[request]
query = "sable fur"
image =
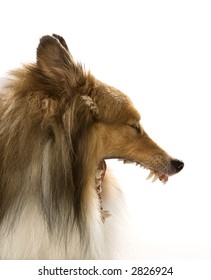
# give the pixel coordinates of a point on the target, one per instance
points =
(57, 122)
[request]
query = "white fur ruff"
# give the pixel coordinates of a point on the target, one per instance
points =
(29, 237)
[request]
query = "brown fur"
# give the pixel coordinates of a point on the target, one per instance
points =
(57, 122)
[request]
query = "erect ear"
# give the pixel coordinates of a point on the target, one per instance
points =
(62, 41)
(56, 63)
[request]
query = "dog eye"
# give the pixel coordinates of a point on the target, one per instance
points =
(136, 127)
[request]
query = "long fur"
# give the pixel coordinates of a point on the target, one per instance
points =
(57, 122)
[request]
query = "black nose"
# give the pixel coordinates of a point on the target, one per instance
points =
(177, 164)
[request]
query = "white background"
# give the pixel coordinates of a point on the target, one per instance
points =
(158, 53)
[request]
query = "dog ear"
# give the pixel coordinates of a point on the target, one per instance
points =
(62, 41)
(56, 63)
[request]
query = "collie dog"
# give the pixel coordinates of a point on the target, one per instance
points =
(58, 125)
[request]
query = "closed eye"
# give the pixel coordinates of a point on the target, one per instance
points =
(136, 127)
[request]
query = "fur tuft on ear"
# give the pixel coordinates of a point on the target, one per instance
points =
(91, 105)
(57, 64)
(82, 112)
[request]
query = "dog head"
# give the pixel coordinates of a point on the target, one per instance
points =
(58, 125)
(103, 115)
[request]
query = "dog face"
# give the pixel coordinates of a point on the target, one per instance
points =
(102, 115)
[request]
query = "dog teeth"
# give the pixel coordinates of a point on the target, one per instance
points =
(150, 175)
(99, 190)
(165, 180)
(155, 178)
(154, 175)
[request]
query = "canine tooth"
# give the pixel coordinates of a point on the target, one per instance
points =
(150, 175)
(165, 180)
(155, 178)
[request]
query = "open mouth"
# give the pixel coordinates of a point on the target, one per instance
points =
(100, 174)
